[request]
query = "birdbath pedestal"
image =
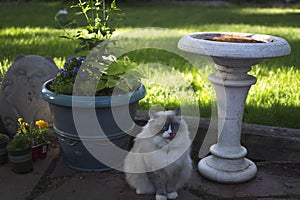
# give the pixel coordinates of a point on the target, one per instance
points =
(233, 55)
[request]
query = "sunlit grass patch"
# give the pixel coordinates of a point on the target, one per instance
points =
(173, 77)
(37, 41)
(277, 86)
(276, 96)
(5, 63)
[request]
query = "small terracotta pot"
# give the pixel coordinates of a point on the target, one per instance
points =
(43, 149)
(35, 152)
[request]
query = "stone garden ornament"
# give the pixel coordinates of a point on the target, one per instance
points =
(20, 91)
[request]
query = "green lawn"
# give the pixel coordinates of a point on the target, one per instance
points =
(29, 28)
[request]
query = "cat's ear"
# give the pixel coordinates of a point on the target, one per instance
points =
(177, 111)
(152, 114)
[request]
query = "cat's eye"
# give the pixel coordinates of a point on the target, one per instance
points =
(165, 128)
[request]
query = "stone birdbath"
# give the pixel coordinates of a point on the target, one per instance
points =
(233, 55)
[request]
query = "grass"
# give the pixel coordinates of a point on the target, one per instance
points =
(174, 78)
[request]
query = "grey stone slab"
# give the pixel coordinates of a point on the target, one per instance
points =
(62, 170)
(15, 186)
(273, 180)
(110, 185)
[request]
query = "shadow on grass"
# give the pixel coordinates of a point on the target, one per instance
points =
(186, 16)
(276, 115)
(41, 14)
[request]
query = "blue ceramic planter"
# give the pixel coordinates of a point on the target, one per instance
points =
(78, 119)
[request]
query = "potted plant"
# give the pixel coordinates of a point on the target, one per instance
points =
(94, 91)
(19, 154)
(42, 138)
(3, 151)
(37, 133)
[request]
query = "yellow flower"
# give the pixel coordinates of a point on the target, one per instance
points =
(41, 124)
(20, 120)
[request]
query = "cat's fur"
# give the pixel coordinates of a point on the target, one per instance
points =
(159, 162)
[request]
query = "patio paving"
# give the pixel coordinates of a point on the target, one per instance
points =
(51, 179)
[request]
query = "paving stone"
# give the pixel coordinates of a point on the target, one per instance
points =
(62, 170)
(15, 186)
(109, 185)
(272, 180)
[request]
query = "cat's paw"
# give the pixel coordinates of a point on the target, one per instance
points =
(139, 191)
(172, 195)
(145, 190)
(160, 197)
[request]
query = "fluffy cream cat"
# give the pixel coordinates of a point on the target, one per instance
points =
(159, 162)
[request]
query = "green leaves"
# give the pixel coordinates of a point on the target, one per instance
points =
(19, 143)
(122, 74)
(65, 78)
(100, 22)
(113, 5)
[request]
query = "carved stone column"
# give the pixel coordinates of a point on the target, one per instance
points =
(227, 162)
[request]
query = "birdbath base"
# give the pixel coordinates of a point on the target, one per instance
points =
(227, 171)
(228, 164)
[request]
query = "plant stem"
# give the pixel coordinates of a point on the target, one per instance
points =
(104, 9)
(84, 13)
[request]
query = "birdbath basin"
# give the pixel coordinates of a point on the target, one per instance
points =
(233, 54)
(235, 49)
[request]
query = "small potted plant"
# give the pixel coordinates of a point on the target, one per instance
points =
(37, 133)
(19, 154)
(3, 150)
(42, 138)
(93, 82)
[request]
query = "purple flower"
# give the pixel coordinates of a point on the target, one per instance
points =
(60, 71)
(53, 79)
(75, 69)
(71, 58)
(66, 65)
(80, 60)
(65, 73)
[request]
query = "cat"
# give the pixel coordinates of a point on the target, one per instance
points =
(159, 162)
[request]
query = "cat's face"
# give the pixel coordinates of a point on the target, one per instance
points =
(165, 124)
